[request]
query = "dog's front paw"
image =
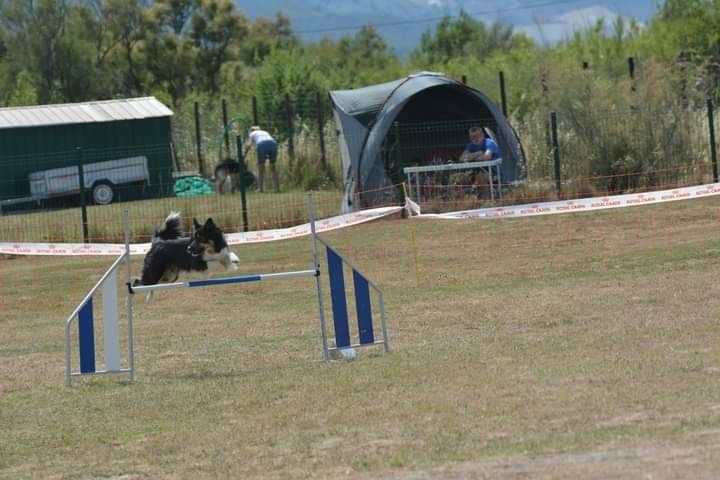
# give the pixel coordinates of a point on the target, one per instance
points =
(234, 261)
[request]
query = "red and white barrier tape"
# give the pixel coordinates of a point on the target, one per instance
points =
(75, 249)
(570, 206)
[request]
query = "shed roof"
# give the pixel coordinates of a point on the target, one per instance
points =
(87, 112)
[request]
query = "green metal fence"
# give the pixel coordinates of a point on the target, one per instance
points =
(587, 153)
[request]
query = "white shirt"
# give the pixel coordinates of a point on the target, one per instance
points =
(259, 136)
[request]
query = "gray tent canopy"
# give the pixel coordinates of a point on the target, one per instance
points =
(435, 109)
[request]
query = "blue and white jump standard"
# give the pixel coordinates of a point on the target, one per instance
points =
(108, 282)
(107, 285)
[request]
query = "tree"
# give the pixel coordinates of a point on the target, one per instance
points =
(217, 29)
(290, 72)
(689, 31)
(264, 36)
(359, 60)
(605, 49)
(462, 37)
(173, 16)
(24, 93)
(35, 30)
(117, 28)
(366, 50)
(167, 50)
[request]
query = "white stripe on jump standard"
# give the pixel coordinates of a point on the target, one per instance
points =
(225, 280)
(111, 330)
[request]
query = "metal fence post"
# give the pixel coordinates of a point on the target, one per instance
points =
(556, 151)
(631, 72)
(254, 110)
(242, 172)
(83, 193)
(198, 140)
(503, 97)
(321, 128)
(713, 146)
(225, 127)
(291, 128)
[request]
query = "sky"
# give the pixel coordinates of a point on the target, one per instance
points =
(401, 22)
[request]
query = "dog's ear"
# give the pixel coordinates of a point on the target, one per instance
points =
(196, 224)
(210, 223)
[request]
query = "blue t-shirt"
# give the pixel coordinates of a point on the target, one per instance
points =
(487, 144)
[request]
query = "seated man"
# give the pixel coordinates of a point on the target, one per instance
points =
(482, 148)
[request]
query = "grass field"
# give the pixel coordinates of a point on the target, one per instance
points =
(568, 346)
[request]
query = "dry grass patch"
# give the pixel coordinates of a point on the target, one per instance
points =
(543, 348)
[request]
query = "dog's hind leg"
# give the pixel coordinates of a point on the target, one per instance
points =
(219, 180)
(223, 181)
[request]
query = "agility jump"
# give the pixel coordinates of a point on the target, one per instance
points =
(108, 287)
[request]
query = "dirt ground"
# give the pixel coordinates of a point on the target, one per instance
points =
(699, 459)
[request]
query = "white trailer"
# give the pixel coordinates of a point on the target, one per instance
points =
(100, 178)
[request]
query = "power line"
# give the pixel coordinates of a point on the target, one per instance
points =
(436, 19)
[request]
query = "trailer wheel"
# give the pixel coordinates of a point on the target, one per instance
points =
(103, 193)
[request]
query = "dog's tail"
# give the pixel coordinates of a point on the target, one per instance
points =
(171, 228)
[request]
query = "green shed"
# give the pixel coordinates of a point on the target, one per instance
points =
(103, 136)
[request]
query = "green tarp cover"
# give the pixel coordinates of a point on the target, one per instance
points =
(192, 187)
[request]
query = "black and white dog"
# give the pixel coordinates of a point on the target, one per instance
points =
(227, 176)
(171, 252)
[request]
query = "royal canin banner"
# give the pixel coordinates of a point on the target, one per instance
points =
(570, 206)
(355, 218)
(75, 249)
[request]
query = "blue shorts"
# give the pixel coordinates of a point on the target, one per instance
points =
(267, 150)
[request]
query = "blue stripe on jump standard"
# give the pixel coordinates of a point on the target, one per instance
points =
(221, 281)
(86, 336)
(362, 306)
(337, 295)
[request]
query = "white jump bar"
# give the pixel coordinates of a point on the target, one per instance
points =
(225, 280)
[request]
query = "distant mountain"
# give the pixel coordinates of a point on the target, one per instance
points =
(401, 22)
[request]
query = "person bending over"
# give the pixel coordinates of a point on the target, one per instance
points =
(266, 149)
